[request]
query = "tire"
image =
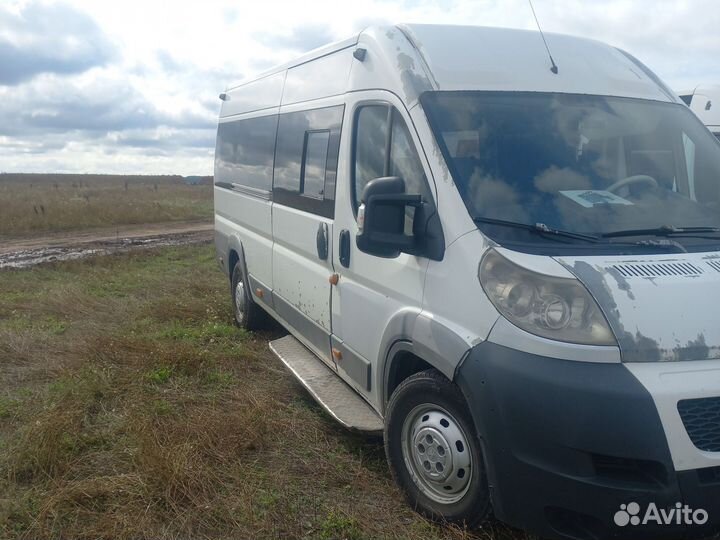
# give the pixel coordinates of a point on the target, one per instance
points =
(247, 314)
(434, 452)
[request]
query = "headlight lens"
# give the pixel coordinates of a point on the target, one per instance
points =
(554, 308)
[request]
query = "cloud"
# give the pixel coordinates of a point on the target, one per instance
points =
(53, 105)
(168, 140)
(100, 106)
(168, 62)
(301, 38)
(102, 87)
(53, 38)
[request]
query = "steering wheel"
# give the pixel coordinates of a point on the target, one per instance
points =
(635, 179)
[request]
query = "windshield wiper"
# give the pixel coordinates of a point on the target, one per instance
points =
(665, 230)
(538, 228)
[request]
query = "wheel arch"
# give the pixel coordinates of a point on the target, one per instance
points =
(402, 362)
(415, 341)
(236, 254)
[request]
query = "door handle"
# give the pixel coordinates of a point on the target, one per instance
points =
(345, 248)
(322, 241)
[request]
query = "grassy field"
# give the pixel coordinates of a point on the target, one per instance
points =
(131, 407)
(35, 204)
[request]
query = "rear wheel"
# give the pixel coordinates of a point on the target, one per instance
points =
(247, 313)
(434, 452)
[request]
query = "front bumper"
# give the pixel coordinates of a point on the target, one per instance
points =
(567, 443)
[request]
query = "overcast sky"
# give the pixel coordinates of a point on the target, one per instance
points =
(132, 86)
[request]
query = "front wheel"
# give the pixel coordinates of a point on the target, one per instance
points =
(434, 452)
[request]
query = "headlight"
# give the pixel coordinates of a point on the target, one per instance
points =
(554, 308)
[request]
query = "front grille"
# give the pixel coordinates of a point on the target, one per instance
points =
(702, 422)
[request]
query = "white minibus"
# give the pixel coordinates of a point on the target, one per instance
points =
(506, 263)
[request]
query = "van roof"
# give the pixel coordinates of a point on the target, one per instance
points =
(314, 54)
(486, 58)
(410, 59)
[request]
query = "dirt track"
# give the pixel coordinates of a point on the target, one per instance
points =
(25, 252)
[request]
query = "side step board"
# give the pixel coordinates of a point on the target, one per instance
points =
(328, 389)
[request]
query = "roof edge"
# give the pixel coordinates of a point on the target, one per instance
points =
(309, 56)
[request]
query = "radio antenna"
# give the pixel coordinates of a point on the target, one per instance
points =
(554, 67)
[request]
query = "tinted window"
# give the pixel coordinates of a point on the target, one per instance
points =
(314, 169)
(244, 152)
(370, 146)
(308, 144)
(288, 157)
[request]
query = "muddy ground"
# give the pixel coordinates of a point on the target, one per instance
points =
(26, 252)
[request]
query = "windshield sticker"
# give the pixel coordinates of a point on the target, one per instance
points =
(592, 197)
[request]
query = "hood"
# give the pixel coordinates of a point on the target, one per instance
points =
(661, 308)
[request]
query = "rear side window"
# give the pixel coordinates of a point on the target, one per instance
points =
(244, 153)
(384, 147)
(306, 159)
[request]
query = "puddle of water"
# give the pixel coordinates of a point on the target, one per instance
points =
(32, 257)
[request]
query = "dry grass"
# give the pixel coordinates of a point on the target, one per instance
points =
(35, 204)
(130, 407)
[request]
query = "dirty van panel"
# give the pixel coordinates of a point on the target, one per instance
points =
(652, 305)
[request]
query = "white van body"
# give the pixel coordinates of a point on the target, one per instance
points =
(567, 429)
(704, 100)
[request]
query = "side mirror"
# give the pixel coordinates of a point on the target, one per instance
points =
(381, 218)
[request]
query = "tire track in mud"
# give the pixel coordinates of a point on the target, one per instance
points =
(27, 252)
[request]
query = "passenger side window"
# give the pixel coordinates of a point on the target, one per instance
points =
(308, 145)
(404, 160)
(244, 152)
(371, 137)
(384, 147)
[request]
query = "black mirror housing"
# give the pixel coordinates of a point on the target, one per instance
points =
(381, 219)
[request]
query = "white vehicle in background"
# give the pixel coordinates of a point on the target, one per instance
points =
(704, 101)
(510, 267)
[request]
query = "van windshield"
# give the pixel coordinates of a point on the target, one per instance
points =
(599, 166)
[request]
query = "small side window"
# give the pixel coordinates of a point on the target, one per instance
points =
(384, 147)
(315, 163)
(689, 147)
(371, 136)
(404, 160)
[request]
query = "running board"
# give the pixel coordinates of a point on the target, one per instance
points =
(326, 387)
